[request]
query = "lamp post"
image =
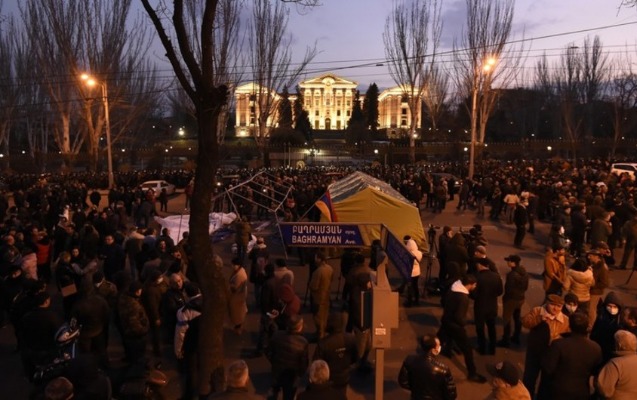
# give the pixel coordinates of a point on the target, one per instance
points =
(487, 67)
(90, 82)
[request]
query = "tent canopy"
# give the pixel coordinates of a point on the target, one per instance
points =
(361, 198)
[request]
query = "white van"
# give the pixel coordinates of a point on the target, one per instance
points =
(620, 168)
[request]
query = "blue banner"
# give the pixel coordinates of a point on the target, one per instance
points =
(300, 234)
(398, 254)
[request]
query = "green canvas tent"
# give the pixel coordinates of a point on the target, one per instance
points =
(361, 198)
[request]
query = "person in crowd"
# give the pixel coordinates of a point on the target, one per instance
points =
(289, 305)
(629, 235)
(608, 322)
(258, 275)
(171, 302)
(545, 323)
(579, 225)
(511, 200)
(485, 306)
(515, 287)
(506, 383)
(443, 246)
(154, 289)
(113, 256)
(357, 282)
(554, 271)
(68, 282)
(37, 334)
(320, 386)
(134, 322)
(89, 381)
(378, 256)
(571, 305)
(106, 289)
(480, 256)
(243, 231)
(570, 362)
(600, 275)
(413, 292)
(59, 388)
(163, 200)
(269, 307)
(186, 341)
(521, 219)
(457, 253)
(238, 296)
(601, 228)
(289, 357)
(617, 380)
(339, 350)
(579, 280)
(237, 379)
(424, 375)
(320, 287)
(282, 273)
(453, 322)
(93, 315)
(557, 237)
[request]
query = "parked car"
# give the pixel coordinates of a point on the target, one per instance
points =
(451, 179)
(157, 186)
(620, 168)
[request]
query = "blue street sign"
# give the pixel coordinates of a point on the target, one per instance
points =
(398, 254)
(300, 234)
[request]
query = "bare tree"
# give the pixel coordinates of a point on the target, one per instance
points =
(568, 84)
(595, 73)
(74, 37)
(8, 90)
(271, 60)
(435, 95)
(482, 57)
(199, 70)
(411, 38)
(622, 93)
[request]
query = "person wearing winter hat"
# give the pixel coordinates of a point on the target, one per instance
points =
(506, 382)
(608, 322)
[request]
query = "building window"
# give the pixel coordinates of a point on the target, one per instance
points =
(348, 103)
(316, 124)
(251, 120)
(347, 113)
(338, 124)
(316, 113)
(338, 103)
(316, 102)
(338, 113)
(403, 122)
(308, 103)
(404, 111)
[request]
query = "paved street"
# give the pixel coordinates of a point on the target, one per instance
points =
(413, 321)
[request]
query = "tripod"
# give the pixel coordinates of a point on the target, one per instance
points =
(431, 256)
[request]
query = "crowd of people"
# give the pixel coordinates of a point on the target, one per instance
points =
(113, 268)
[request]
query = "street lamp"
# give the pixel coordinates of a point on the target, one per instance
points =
(487, 67)
(90, 82)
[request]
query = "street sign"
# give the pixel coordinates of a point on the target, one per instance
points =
(307, 234)
(397, 253)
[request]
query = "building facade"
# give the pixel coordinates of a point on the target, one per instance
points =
(328, 99)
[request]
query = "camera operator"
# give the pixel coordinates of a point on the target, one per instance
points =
(443, 248)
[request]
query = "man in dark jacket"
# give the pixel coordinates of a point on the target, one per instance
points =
(134, 322)
(186, 342)
(579, 224)
(517, 282)
(570, 362)
(485, 307)
(113, 256)
(93, 314)
(154, 289)
(38, 328)
(237, 378)
(339, 350)
(288, 354)
(520, 218)
(453, 321)
(425, 376)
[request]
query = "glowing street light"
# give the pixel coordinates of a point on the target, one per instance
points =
(91, 82)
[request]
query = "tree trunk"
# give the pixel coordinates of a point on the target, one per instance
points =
(208, 268)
